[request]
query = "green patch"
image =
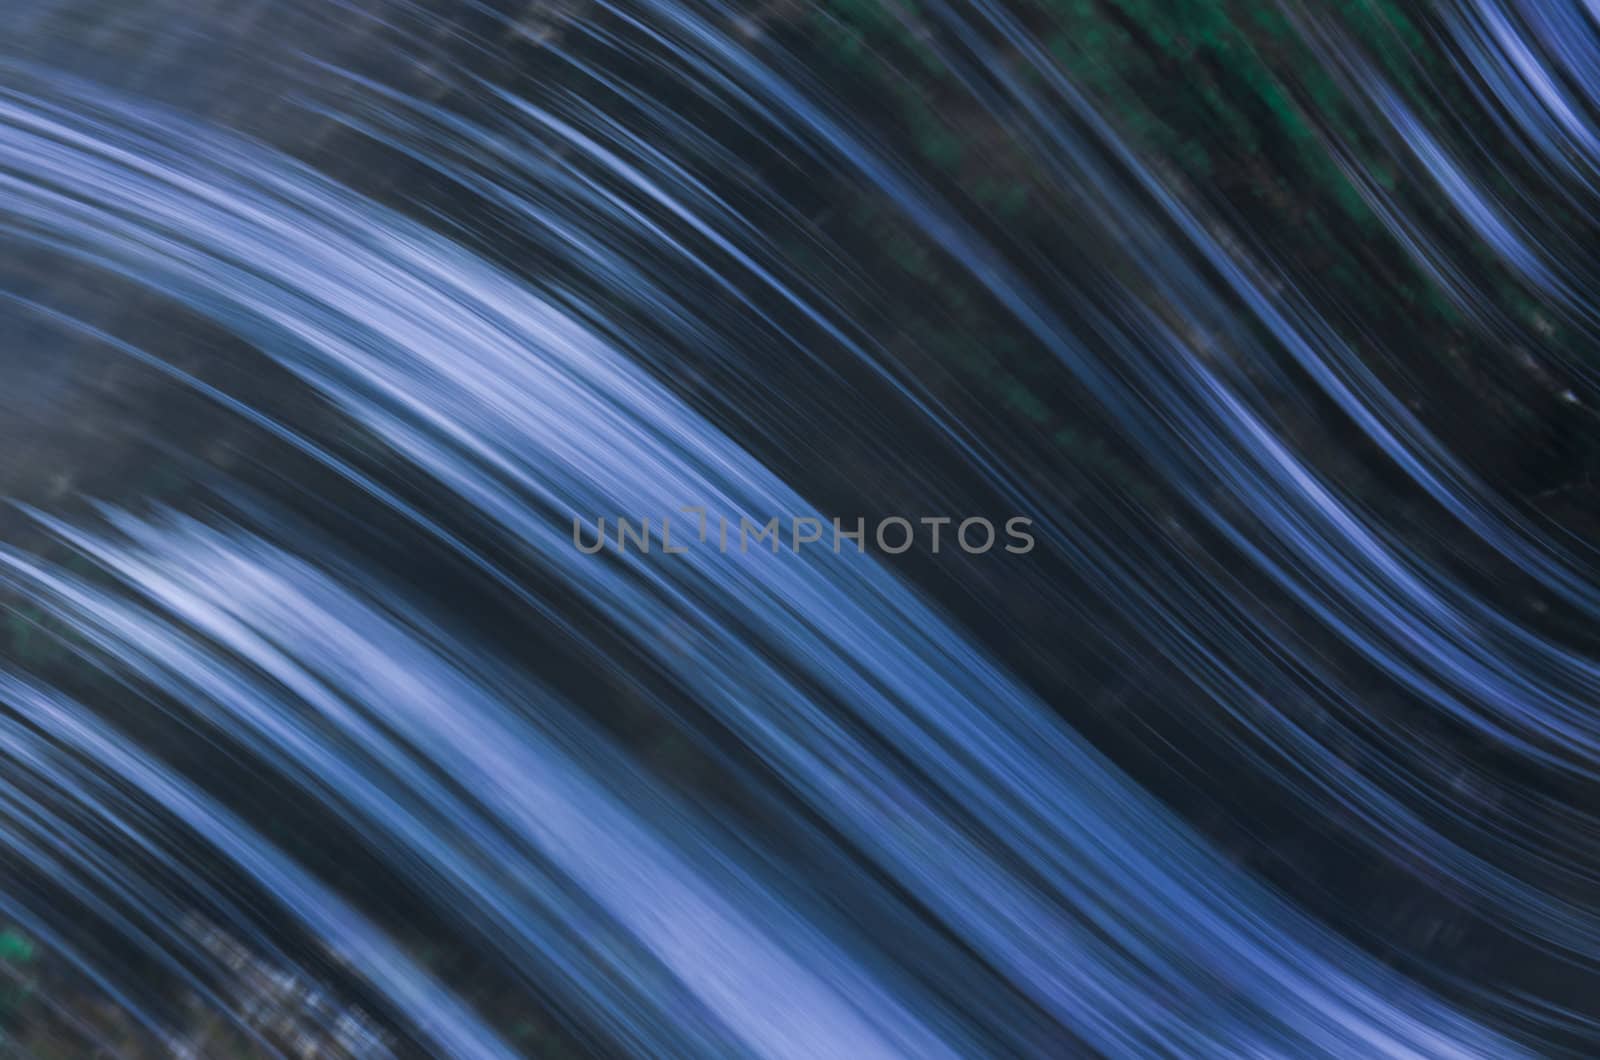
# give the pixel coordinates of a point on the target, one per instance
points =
(16, 948)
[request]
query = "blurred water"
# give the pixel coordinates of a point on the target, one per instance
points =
(326, 320)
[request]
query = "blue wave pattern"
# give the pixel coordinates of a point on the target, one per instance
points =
(960, 871)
